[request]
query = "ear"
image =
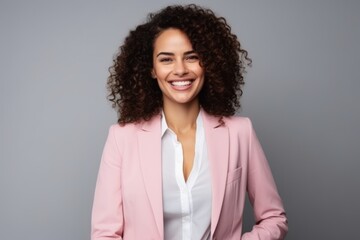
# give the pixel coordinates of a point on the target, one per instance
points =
(153, 75)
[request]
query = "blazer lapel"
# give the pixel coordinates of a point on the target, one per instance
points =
(217, 140)
(149, 138)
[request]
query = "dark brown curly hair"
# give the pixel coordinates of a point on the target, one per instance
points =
(134, 93)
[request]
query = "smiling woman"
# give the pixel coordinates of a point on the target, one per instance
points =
(134, 93)
(176, 66)
(178, 163)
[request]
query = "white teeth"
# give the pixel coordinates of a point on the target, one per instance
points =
(181, 83)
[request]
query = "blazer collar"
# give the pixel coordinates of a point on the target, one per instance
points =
(149, 139)
(217, 140)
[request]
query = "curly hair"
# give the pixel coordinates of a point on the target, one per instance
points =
(134, 93)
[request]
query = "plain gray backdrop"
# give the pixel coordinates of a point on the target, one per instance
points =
(302, 95)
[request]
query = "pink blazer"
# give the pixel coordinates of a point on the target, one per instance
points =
(128, 196)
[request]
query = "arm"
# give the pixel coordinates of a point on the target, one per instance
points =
(271, 221)
(107, 215)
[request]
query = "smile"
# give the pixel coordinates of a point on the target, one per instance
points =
(181, 83)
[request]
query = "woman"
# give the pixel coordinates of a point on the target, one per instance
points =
(178, 163)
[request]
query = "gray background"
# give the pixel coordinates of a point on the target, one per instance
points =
(302, 94)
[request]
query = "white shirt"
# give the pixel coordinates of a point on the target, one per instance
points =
(187, 205)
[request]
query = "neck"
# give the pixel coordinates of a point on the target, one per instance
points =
(181, 118)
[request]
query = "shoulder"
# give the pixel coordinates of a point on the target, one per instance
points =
(240, 127)
(124, 129)
(120, 133)
(238, 123)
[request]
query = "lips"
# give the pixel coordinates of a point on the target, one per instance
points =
(182, 84)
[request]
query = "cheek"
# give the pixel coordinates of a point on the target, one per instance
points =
(160, 72)
(201, 85)
(161, 83)
(199, 71)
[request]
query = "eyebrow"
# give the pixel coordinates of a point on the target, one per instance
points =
(172, 54)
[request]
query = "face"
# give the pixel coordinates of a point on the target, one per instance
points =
(176, 66)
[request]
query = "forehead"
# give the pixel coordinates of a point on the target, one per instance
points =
(172, 40)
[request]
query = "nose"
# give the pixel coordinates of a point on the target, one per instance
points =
(180, 68)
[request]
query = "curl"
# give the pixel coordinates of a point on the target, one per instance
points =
(136, 95)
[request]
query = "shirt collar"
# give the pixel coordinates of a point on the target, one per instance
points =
(164, 125)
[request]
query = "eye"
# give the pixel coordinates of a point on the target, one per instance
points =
(165, 60)
(192, 58)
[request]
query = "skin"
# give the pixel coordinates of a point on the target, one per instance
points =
(176, 68)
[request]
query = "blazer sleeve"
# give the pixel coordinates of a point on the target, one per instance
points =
(107, 214)
(270, 217)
